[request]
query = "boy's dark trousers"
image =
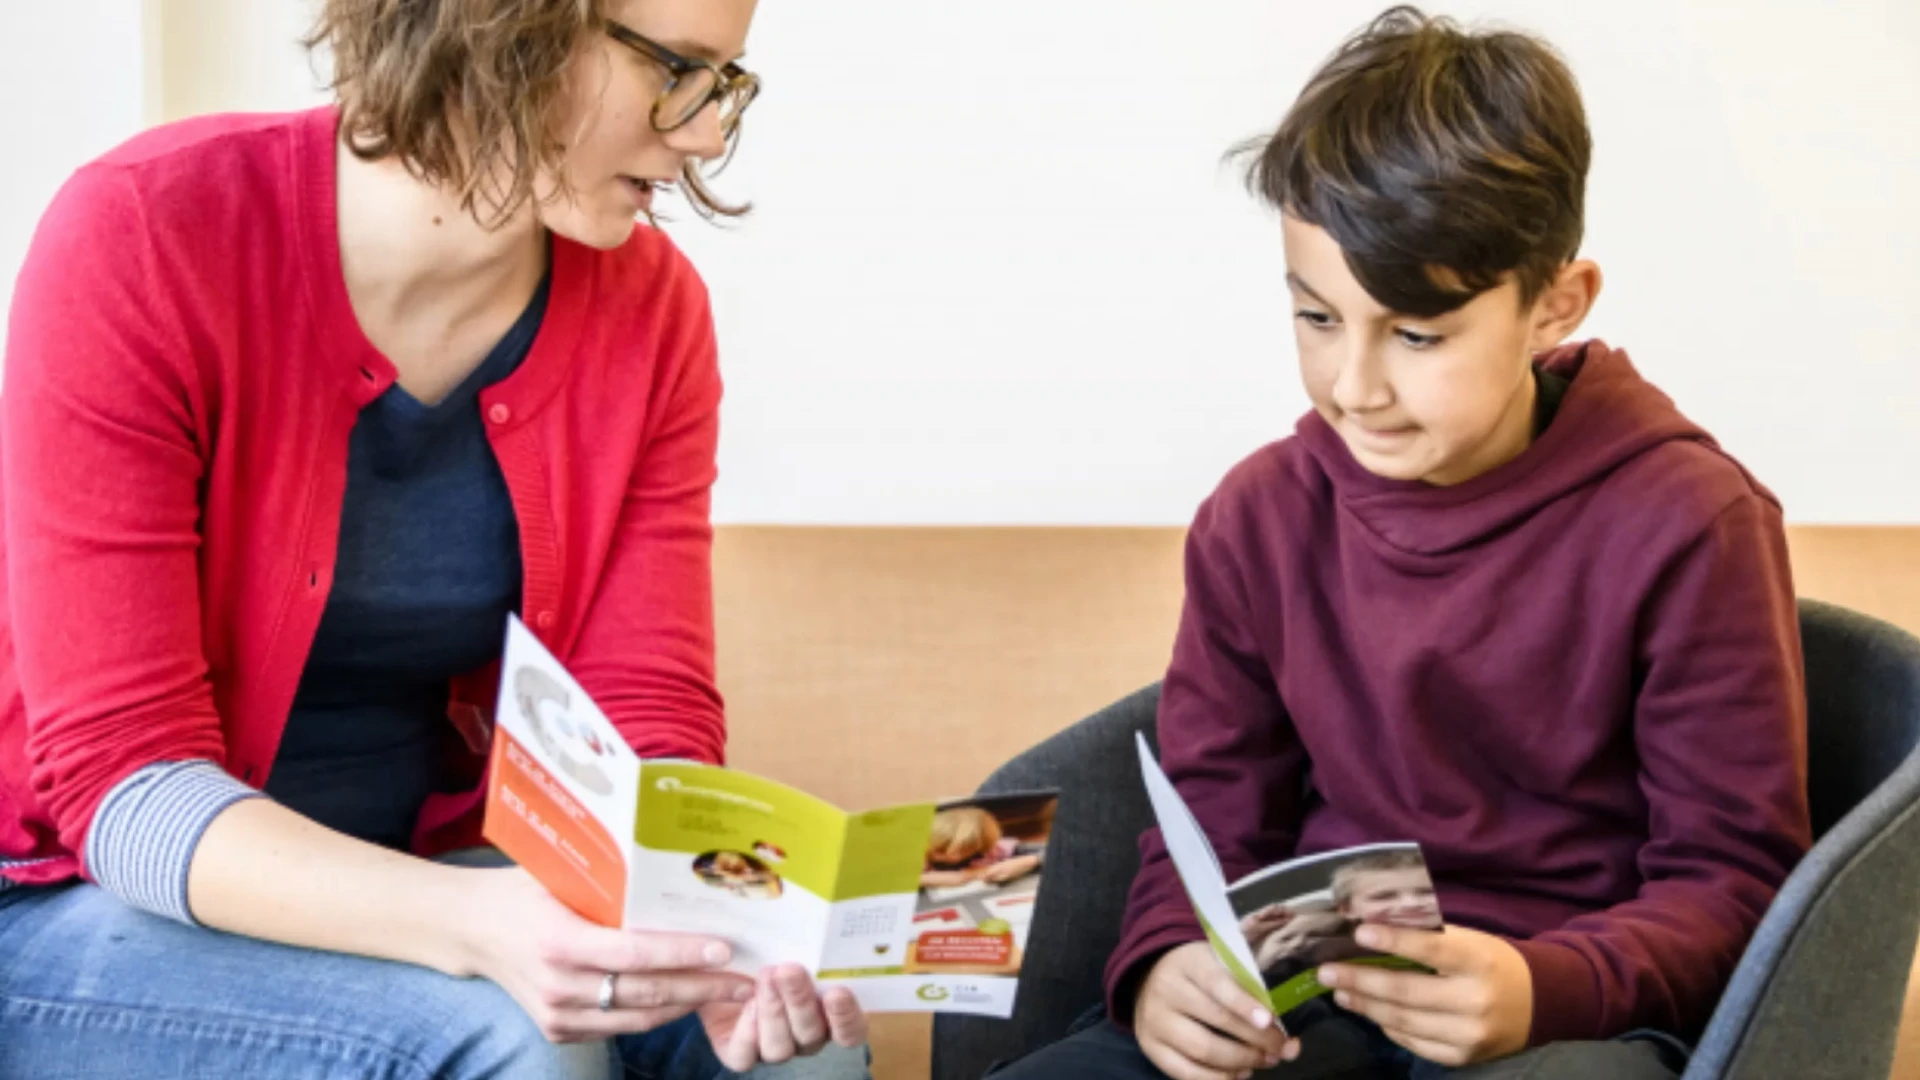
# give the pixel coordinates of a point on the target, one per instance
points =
(1336, 1045)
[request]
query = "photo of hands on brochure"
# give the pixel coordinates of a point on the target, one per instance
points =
(924, 907)
(1275, 927)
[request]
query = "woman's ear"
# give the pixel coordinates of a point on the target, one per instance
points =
(1563, 305)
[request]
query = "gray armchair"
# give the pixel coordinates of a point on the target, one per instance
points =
(1817, 994)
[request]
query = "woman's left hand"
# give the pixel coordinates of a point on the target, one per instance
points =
(787, 1018)
(1477, 1004)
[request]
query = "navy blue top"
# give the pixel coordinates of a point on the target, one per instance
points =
(427, 571)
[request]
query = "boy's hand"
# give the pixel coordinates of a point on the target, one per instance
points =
(1195, 1023)
(1477, 1005)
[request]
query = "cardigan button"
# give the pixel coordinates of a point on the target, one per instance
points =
(545, 620)
(499, 414)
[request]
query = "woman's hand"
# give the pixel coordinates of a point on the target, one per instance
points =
(553, 962)
(1195, 1023)
(786, 1018)
(1477, 1005)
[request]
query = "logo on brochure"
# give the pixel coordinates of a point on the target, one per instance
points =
(668, 783)
(959, 993)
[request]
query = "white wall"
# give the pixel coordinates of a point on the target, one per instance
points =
(73, 78)
(999, 275)
(228, 55)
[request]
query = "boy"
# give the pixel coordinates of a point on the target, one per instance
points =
(1495, 595)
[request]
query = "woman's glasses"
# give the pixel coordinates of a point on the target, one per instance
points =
(692, 84)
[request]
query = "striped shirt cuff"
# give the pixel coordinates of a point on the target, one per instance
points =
(141, 843)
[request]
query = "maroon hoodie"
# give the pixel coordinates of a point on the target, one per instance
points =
(1575, 680)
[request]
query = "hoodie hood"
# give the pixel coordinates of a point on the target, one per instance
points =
(1609, 417)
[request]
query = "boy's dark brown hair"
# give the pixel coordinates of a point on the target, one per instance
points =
(1441, 161)
(466, 93)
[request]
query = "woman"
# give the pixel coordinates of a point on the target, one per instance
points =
(298, 409)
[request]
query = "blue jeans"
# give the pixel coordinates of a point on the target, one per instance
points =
(90, 987)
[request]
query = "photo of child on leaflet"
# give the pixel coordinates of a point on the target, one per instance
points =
(979, 884)
(1303, 913)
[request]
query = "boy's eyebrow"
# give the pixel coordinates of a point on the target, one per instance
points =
(1294, 280)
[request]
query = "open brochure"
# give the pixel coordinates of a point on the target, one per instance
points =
(917, 908)
(1275, 927)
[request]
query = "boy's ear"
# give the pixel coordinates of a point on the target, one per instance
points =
(1563, 305)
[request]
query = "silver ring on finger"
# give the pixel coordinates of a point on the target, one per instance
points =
(606, 990)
